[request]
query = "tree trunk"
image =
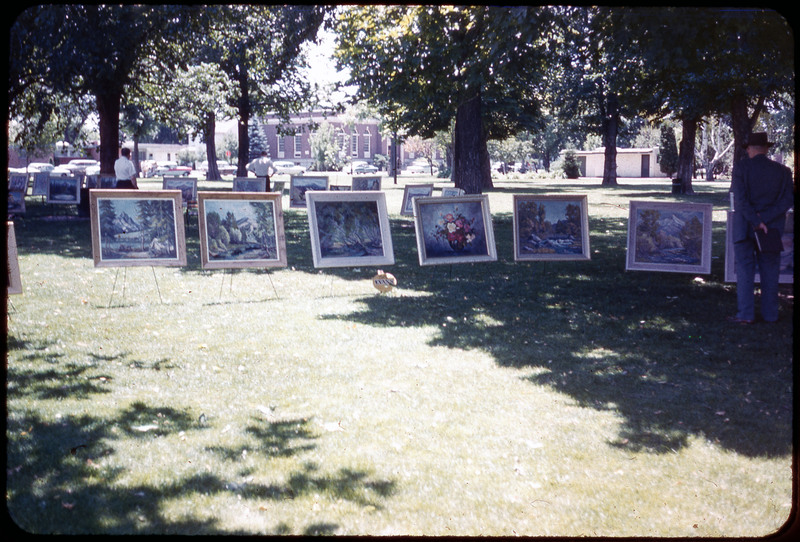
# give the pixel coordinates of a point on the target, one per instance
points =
(108, 113)
(471, 170)
(211, 147)
(742, 124)
(686, 155)
(610, 131)
(244, 121)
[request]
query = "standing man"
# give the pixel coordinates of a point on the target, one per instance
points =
(125, 170)
(261, 167)
(762, 193)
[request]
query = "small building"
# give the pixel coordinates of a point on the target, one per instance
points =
(630, 162)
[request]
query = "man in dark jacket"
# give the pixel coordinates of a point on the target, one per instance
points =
(762, 193)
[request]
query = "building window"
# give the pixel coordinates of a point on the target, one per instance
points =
(354, 144)
(281, 146)
(298, 144)
(367, 145)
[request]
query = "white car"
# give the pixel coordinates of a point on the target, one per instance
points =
(40, 167)
(359, 168)
(78, 166)
(421, 166)
(288, 168)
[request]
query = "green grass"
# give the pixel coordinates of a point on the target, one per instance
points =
(541, 399)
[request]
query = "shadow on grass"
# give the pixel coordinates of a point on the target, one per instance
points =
(654, 347)
(62, 476)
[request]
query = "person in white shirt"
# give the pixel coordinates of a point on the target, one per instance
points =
(125, 170)
(262, 167)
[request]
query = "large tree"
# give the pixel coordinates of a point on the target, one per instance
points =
(91, 50)
(423, 66)
(259, 48)
(702, 61)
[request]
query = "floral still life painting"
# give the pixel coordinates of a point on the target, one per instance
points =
(454, 230)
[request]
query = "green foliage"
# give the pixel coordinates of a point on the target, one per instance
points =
(571, 166)
(324, 150)
(668, 151)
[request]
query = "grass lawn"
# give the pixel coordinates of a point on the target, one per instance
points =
(503, 398)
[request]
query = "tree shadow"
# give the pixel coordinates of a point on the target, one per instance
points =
(655, 346)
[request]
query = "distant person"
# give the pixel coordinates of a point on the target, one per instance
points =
(262, 167)
(762, 193)
(125, 171)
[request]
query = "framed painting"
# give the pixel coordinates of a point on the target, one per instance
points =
(551, 227)
(300, 184)
(137, 227)
(412, 191)
(250, 184)
(338, 188)
(18, 182)
(241, 229)
(16, 203)
(106, 181)
(14, 279)
(366, 182)
(278, 186)
(349, 229)
(188, 188)
(786, 275)
(669, 236)
(65, 190)
(450, 191)
(457, 229)
(40, 182)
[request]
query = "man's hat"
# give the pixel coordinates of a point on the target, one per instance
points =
(758, 139)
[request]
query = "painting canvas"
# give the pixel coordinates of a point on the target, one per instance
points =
(16, 203)
(450, 191)
(300, 184)
(454, 230)
(14, 279)
(412, 191)
(241, 229)
(787, 256)
(669, 236)
(18, 182)
(107, 181)
(64, 190)
(40, 182)
(250, 184)
(137, 227)
(349, 229)
(188, 188)
(551, 228)
(371, 182)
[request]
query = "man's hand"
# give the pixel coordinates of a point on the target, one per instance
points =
(762, 227)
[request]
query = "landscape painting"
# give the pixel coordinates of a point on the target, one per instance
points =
(412, 191)
(137, 227)
(300, 184)
(241, 229)
(786, 274)
(349, 229)
(40, 182)
(64, 190)
(456, 229)
(372, 182)
(551, 228)
(188, 188)
(250, 184)
(674, 237)
(16, 203)
(18, 183)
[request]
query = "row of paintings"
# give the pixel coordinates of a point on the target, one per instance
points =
(245, 229)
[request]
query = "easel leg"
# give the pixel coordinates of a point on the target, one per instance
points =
(114, 287)
(156, 281)
(269, 275)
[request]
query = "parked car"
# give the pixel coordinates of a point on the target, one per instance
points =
(40, 167)
(359, 168)
(61, 171)
(77, 166)
(288, 168)
(422, 166)
(171, 169)
(224, 167)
